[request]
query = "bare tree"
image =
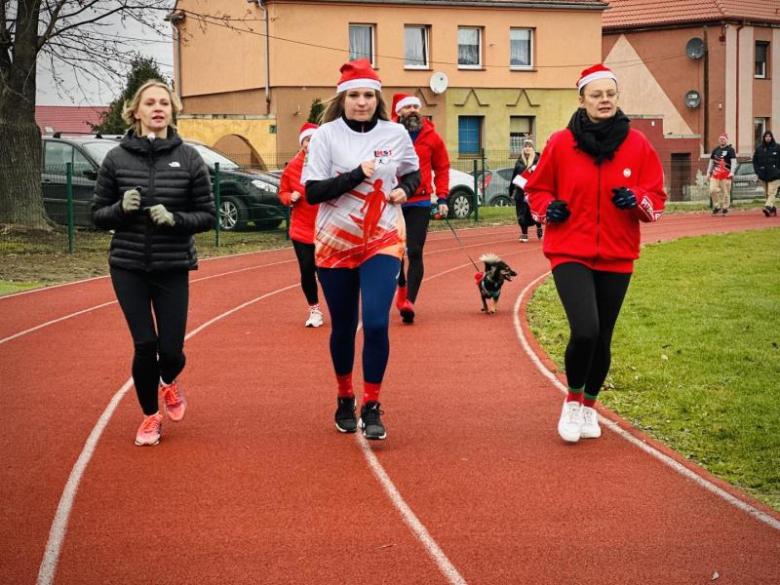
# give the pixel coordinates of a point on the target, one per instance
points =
(81, 35)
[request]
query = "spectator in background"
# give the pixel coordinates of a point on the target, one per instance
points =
(291, 193)
(766, 162)
(434, 169)
(154, 192)
(594, 184)
(720, 172)
(525, 162)
(360, 169)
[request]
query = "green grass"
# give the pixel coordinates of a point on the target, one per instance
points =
(696, 353)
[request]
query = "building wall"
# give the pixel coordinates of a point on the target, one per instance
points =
(222, 71)
(259, 133)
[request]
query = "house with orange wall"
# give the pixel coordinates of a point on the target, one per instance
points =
(249, 71)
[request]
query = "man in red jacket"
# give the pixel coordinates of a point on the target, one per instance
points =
(435, 171)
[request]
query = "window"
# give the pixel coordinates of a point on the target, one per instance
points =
(762, 51)
(760, 126)
(416, 51)
(520, 128)
(469, 48)
(361, 42)
(521, 48)
(469, 134)
(56, 156)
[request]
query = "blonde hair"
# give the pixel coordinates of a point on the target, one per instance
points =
(128, 112)
(335, 107)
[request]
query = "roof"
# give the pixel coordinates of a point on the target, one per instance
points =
(644, 13)
(68, 119)
(572, 4)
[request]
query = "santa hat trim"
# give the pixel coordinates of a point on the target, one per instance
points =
(407, 101)
(359, 84)
(596, 75)
(305, 134)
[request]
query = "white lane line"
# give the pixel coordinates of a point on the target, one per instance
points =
(96, 307)
(59, 525)
(414, 524)
(662, 457)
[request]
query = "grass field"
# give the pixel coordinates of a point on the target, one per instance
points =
(696, 353)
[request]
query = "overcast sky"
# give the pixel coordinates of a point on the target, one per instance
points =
(101, 94)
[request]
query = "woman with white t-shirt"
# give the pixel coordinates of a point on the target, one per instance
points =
(360, 169)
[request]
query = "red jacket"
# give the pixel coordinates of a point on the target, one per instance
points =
(433, 156)
(597, 233)
(303, 214)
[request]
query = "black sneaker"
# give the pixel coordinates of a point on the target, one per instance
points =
(715, 210)
(539, 232)
(345, 415)
(371, 421)
(767, 211)
(725, 211)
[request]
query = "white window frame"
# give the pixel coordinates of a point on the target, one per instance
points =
(530, 65)
(426, 46)
(479, 47)
(372, 40)
(765, 62)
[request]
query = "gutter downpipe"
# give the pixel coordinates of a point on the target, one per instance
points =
(262, 7)
(706, 91)
(736, 113)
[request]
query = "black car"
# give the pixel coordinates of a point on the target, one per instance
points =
(247, 198)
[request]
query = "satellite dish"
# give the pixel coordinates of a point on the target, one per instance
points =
(693, 99)
(439, 82)
(695, 48)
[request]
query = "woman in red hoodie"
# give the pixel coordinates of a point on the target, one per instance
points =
(302, 224)
(595, 182)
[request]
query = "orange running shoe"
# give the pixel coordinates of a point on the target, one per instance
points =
(174, 400)
(150, 430)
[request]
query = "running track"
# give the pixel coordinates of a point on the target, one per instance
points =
(473, 484)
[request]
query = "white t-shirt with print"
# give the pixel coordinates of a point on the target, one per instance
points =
(355, 226)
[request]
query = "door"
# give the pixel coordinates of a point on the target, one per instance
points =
(681, 175)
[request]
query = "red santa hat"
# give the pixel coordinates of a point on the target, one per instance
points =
(723, 135)
(401, 100)
(358, 74)
(593, 73)
(306, 130)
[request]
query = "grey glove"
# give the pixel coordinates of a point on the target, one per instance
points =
(131, 201)
(161, 216)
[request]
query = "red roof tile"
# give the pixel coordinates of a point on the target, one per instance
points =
(68, 119)
(636, 13)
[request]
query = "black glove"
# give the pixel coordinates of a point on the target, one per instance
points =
(624, 198)
(557, 211)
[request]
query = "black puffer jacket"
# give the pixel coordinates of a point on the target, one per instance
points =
(168, 172)
(766, 160)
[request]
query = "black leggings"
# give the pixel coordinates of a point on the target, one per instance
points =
(523, 213)
(417, 219)
(147, 298)
(592, 301)
(305, 254)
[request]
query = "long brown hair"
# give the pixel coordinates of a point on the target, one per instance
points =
(335, 107)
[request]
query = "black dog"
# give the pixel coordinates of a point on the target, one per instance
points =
(490, 282)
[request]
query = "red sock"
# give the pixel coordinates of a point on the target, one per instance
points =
(589, 400)
(371, 392)
(574, 395)
(345, 386)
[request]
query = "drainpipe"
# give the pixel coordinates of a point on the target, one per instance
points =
(736, 116)
(262, 7)
(176, 18)
(706, 99)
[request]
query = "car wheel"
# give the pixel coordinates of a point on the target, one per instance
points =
(460, 204)
(501, 201)
(232, 215)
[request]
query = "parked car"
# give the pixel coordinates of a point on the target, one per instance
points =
(496, 187)
(745, 184)
(246, 196)
(461, 198)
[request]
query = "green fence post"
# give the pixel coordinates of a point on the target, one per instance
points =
(217, 201)
(287, 216)
(476, 190)
(69, 197)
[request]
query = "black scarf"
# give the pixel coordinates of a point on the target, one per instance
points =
(599, 140)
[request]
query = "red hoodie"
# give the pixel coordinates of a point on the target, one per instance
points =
(303, 214)
(597, 233)
(433, 155)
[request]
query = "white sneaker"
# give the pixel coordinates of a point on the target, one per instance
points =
(315, 318)
(590, 423)
(570, 423)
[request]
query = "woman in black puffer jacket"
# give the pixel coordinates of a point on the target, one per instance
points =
(766, 162)
(154, 191)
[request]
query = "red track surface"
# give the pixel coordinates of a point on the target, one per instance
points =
(256, 486)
